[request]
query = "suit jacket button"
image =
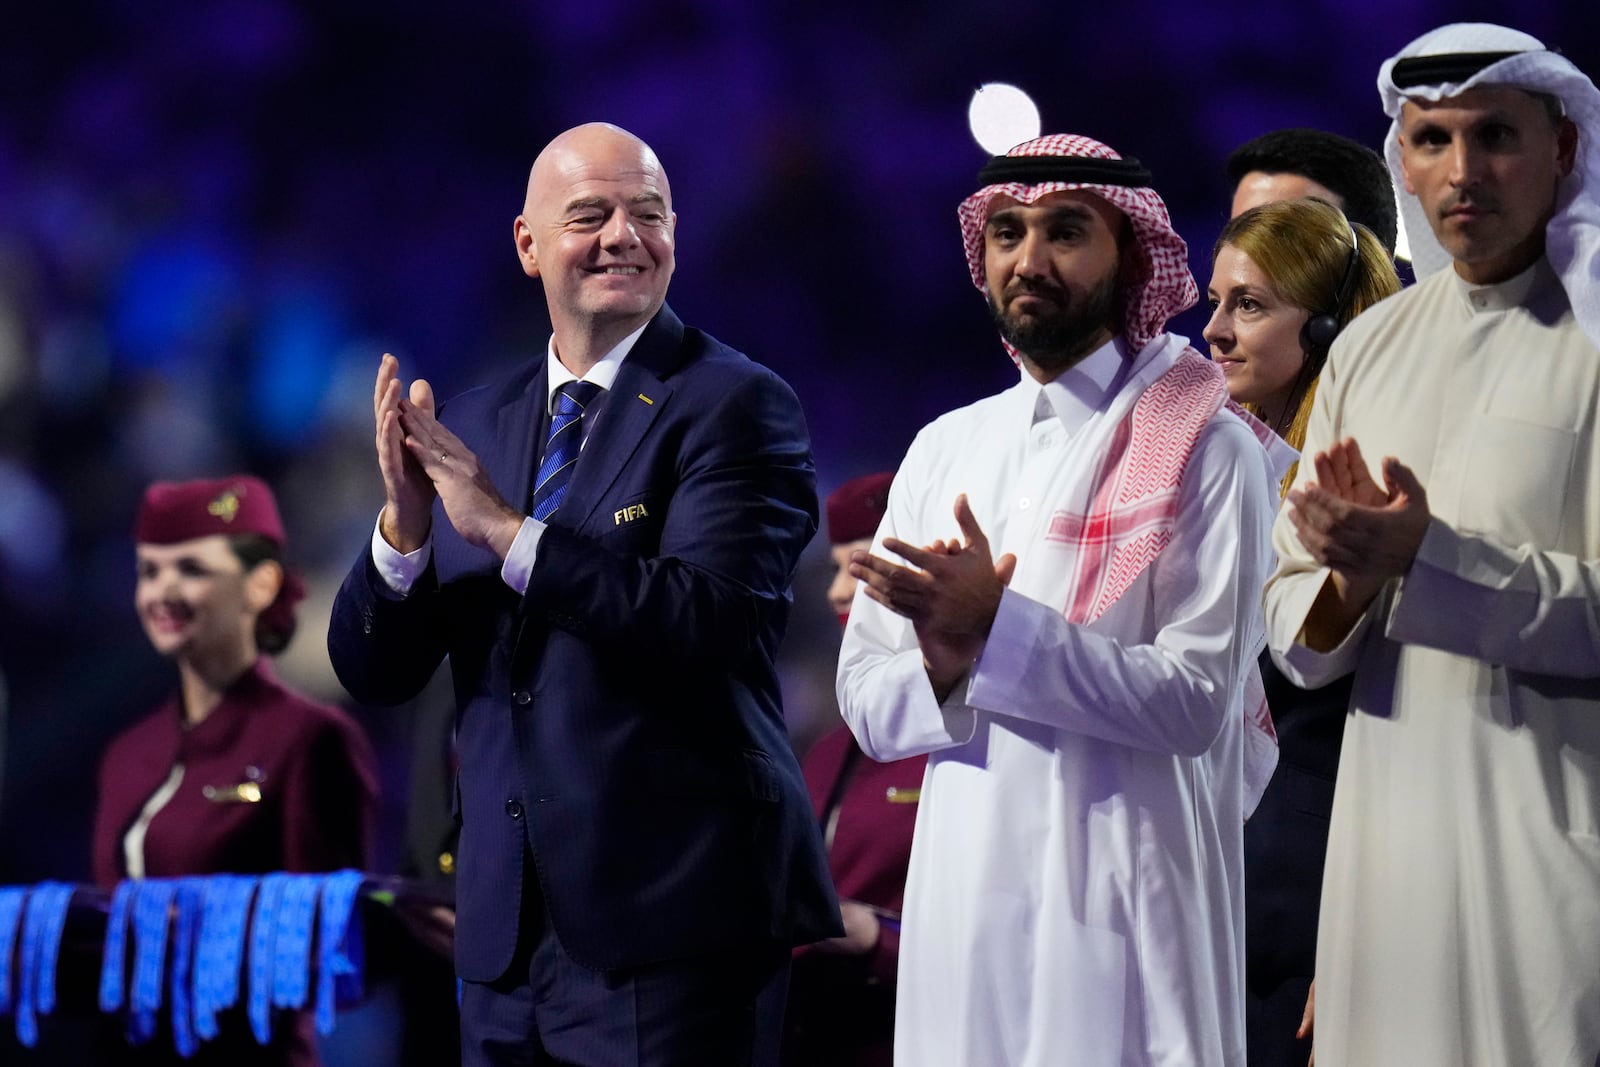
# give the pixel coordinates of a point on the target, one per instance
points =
(522, 697)
(513, 809)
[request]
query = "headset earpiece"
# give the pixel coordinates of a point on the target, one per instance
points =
(1317, 335)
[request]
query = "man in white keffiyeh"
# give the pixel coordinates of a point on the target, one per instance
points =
(1460, 914)
(1073, 649)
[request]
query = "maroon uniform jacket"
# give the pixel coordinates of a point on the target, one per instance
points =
(272, 781)
(841, 1007)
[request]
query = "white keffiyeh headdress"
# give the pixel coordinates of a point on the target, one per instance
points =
(1448, 61)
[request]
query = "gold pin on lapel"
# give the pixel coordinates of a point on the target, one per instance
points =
(647, 400)
(898, 795)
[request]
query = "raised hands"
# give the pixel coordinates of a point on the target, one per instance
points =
(407, 489)
(1364, 533)
(950, 593)
(1350, 523)
(421, 458)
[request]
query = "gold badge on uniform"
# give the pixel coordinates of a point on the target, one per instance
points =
(243, 793)
(246, 792)
(226, 506)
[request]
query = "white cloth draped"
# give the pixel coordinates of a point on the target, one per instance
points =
(1075, 892)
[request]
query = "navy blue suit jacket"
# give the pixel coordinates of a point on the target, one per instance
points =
(622, 718)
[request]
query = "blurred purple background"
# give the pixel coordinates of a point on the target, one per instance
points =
(214, 217)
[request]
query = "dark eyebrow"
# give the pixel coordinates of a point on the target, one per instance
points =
(1494, 117)
(1058, 213)
(1070, 213)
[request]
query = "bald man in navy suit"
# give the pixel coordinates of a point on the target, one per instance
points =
(637, 850)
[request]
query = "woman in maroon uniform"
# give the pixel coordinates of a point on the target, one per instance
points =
(234, 773)
(841, 991)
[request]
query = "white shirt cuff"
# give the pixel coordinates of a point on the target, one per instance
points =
(524, 552)
(399, 570)
(1309, 668)
(993, 683)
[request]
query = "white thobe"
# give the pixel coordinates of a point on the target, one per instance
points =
(1075, 889)
(1461, 901)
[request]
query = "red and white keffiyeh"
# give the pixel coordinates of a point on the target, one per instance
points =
(1135, 504)
(1133, 510)
(1162, 287)
(1134, 488)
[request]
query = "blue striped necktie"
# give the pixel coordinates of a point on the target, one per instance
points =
(561, 449)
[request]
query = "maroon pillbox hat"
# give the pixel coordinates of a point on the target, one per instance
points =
(182, 511)
(857, 506)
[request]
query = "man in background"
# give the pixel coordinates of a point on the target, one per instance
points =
(1289, 164)
(1286, 839)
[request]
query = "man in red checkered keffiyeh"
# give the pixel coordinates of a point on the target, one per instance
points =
(1157, 284)
(1074, 649)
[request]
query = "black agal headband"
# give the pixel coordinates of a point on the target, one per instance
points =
(1085, 170)
(1448, 69)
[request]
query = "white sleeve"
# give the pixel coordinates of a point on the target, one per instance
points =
(1289, 595)
(884, 693)
(1294, 586)
(399, 570)
(522, 555)
(1518, 607)
(1173, 693)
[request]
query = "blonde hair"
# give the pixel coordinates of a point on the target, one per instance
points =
(1303, 247)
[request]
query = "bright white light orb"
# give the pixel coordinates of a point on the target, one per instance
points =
(1001, 117)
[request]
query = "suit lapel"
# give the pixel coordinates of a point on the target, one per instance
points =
(636, 402)
(637, 398)
(519, 439)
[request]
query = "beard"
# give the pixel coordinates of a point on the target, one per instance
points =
(1056, 339)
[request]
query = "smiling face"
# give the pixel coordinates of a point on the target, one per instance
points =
(1254, 334)
(195, 599)
(1484, 166)
(1052, 270)
(597, 227)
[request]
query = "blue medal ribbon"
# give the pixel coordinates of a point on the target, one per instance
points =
(152, 906)
(12, 899)
(220, 950)
(43, 920)
(54, 923)
(114, 959)
(339, 947)
(263, 931)
(291, 948)
(190, 896)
